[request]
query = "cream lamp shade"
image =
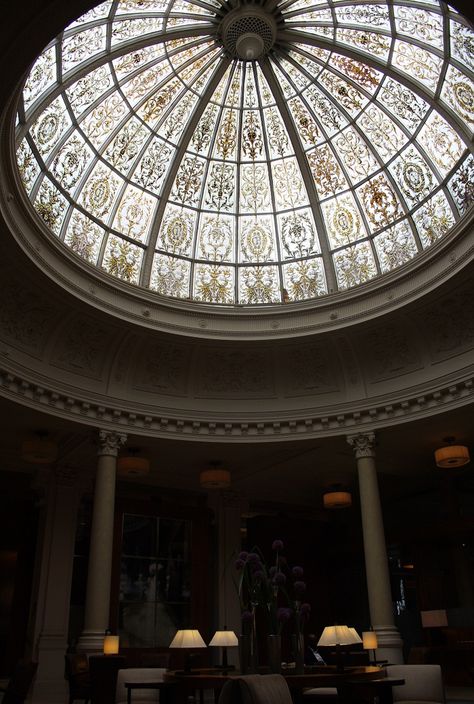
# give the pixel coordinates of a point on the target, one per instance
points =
(226, 639)
(215, 479)
(355, 635)
(338, 635)
(369, 640)
(452, 456)
(188, 638)
(337, 499)
(111, 644)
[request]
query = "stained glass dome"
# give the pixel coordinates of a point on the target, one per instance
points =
(246, 153)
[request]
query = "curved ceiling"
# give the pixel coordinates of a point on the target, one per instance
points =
(251, 154)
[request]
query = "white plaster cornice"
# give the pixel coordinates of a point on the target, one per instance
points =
(348, 418)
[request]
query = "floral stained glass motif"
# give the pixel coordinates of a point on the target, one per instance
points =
(152, 151)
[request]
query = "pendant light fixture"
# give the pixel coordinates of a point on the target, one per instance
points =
(451, 455)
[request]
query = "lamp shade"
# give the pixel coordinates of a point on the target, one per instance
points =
(133, 466)
(226, 639)
(338, 635)
(337, 499)
(215, 478)
(452, 456)
(369, 640)
(111, 644)
(188, 638)
(355, 635)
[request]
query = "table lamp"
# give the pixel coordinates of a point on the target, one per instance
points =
(188, 639)
(111, 644)
(369, 642)
(224, 639)
(337, 636)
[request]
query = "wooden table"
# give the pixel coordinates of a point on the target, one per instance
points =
(368, 680)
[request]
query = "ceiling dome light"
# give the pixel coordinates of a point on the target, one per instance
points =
(452, 456)
(215, 478)
(132, 465)
(337, 498)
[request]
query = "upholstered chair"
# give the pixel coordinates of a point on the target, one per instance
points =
(256, 689)
(139, 674)
(423, 684)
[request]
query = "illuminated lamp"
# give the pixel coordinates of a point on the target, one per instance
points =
(452, 456)
(132, 465)
(215, 478)
(337, 497)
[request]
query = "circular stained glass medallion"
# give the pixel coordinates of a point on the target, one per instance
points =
(247, 155)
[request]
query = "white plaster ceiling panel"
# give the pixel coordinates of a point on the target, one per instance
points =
(449, 327)
(161, 368)
(235, 372)
(27, 318)
(389, 350)
(311, 369)
(84, 346)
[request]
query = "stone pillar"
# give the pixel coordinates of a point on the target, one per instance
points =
(96, 617)
(53, 584)
(376, 561)
(227, 506)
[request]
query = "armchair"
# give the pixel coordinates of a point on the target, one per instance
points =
(423, 684)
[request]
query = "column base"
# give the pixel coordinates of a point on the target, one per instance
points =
(91, 642)
(390, 645)
(49, 685)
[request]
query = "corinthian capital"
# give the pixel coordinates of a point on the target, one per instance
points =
(363, 444)
(110, 442)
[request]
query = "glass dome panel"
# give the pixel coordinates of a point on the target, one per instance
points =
(157, 150)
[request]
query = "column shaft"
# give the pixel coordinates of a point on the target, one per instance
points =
(96, 617)
(375, 551)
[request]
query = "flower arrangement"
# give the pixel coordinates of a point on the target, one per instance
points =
(276, 589)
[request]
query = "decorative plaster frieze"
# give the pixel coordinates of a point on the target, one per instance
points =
(350, 417)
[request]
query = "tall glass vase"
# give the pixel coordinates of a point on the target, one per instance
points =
(297, 643)
(248, 651)
(274, 652)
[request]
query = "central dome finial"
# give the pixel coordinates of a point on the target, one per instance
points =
(248, 32)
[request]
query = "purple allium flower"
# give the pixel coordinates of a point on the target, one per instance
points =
(277, 545)
(279, 579)
(300, 588)
(239, 564)
(305, 610)
(256, 567)
(246, 616)
(259, 575)
(243, 556)
(297, 572)
(272, 571)
(253, 557)
(283, 614)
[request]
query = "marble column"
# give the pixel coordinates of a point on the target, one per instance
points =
(96, 617)
(376, 561)
(49, 627)
(227, 506)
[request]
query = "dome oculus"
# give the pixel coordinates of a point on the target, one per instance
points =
(241, 157)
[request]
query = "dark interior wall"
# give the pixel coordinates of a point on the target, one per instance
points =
(18, 527)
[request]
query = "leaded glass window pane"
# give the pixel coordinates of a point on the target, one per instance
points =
(158, 154)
